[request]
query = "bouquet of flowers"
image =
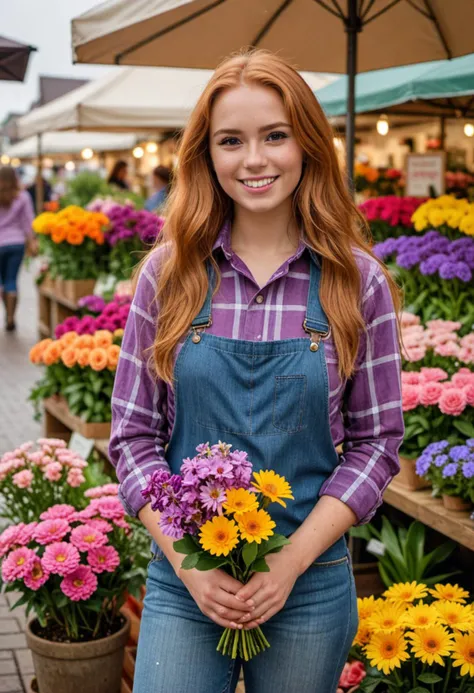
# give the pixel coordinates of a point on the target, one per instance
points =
(449, 468)
(452, 216)
(434, 405)
(436, 275)
(416, 639)
(73, 242)
(81, 368)
(111, 316)
(218, 516)
(437, 346)
(390, 215)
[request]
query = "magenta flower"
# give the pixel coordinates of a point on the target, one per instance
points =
(37, 576)
(103, 559)
(17, 564)
(86, 537)
(61, 558)
(79, 584)
(61, 511)
(50, 531)
(212, 497)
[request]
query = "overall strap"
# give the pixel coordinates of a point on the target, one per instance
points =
(204, 319)
(316, 320)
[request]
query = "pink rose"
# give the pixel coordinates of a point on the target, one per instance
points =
(453, 401)
(430, 393)
(415, 353)
(410, 396)
(469, 392)
(352, 674)
(23, 479)
(445, 325)
(448, 349)
(433, 375)
(462, 378)
(408, 319)
(410, 378)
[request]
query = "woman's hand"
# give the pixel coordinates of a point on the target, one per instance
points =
(268, 591)
(214, 592)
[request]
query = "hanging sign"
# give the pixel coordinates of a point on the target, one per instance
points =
(425, 174)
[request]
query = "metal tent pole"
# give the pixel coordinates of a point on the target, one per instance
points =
(39, 176)
(353, 27)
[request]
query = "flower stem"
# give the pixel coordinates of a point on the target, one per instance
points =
(243, 636)
(413, 668)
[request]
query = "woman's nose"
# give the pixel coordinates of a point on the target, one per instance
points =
(255, 157)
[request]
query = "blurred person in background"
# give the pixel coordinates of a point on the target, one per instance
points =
(16, 217)
(161, 185)
(118, 175)
(47, 193)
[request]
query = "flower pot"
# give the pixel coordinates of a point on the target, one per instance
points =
(456, 503)
(86, 667)
(408, 478)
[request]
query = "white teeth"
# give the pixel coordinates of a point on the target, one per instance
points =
(258, 183)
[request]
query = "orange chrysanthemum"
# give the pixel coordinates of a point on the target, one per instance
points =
(83, 358)
(84, 341)
(98, 359)
(113, 353)
(36, 352)
(68, 338)
(69, 356)
(103, 339)
(52, 353)
(75, 237)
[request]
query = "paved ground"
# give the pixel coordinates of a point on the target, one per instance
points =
(16, 426)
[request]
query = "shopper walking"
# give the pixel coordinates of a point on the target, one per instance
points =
(16, 216)
(272, 327)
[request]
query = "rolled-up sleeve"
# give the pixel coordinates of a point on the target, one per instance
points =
(372, 409)
(139, 400)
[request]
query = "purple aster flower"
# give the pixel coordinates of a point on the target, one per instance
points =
(204, 449)
(448, 270)
(468, 470)
(440, 460)
(222, 469)
(463, 271)
(212, 497)
(170, 523)
(432, 264)
(459, 452)
(409, 259)
(470, 442)
(434, 448)
(423, 463)
(450, 470)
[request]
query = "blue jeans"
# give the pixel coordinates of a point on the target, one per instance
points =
(10, 262)
(310, 638)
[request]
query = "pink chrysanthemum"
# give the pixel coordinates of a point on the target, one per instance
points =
(61, 511)
(9, 538)
(108, 508)
(52, 442)
(23, 479)
(123, 524)
(101, 491)
(79, 585)
(75, 477)
(86, 537)
(61, 558)
(103, 559)
(101, 525)
(17, 564)
(26, 533)
(37, 576)
(85, 515)
(53, 471)
(49, 531)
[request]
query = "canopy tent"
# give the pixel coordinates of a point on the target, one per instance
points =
(70, 143)
(317, 35)
(443, 88)
(14, 59)
(129, 99)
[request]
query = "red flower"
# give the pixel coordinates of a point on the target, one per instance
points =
(352, 674)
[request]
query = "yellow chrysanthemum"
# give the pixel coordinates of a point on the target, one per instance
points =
(463, 653)
(387, 618)
(449, 593)
(406, 592)
(366, 607)
(387, 651)
(363, 634)
(219, 536)
(431, 644)
(272, 486)
(239, 501)
(457, 616)
(257, 525)
(421, 616)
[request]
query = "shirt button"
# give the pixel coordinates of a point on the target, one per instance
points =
(259, 298)
(259, 337)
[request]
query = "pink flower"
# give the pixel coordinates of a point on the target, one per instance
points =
(85, 537)
(408, 319)
(352, 674)
(410, 396)
(53, 471)
(9, 538)
(17, 564)
(453, 401)
(103, 559)
(410, 378)
(51, 530)
(61, 558)
(37, 575)
(26, 532)
(61, 511)
(433, 375)
(100, 525)
(75, 477)
(108, 507)
(123, 524)
(100, 491)
(430, 393)
(447, 350)
(466, 355)
(85, 515)
(23, 479)
(445, 325)
(469, 392)
(80, 584)
(414, 354)
(52, 442)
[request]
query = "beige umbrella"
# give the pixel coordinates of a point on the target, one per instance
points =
(316, 35)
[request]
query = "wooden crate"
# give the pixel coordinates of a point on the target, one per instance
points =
(52, 309)
(59, 411)
(71, 290)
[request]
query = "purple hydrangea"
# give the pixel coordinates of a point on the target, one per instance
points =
(450, 470)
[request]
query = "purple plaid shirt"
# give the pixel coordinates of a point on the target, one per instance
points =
(365, 412)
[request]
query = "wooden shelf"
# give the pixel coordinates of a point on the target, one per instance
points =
(60, 423)
(423, 507)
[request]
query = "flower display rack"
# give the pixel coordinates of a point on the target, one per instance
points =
(57, 300)
(60, 423)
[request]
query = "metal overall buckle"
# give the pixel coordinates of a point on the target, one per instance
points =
(316, 336)
(197, 329)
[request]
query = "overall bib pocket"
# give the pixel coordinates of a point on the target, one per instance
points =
(289, 403)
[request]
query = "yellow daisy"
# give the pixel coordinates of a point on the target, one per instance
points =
(431, 644)
(387, 618)
(449, 593)
(272, 486)
(366, 606)
(363, 634)
(255, 525)
(219, 536)
(240, 501)
(463, 653)
(404, 592)
(387, 651)
(421, 616)
(457, 616)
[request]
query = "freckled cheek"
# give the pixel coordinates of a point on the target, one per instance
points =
(227, 169)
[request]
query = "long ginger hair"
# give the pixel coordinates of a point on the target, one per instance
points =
(322, 205)
(9, 186)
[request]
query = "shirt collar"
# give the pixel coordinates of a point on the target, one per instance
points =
(223, 241)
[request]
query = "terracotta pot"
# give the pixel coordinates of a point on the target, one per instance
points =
(408, 478)
(89, 667)
(456, 503)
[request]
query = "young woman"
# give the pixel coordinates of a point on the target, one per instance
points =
(264, 321)
(118, 175)
(16, 216)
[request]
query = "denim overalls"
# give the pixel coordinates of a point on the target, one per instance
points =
(270, 399)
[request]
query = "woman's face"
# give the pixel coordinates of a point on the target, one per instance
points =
(256, 157)
(122, 173)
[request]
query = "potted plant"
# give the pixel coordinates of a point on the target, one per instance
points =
(390, 216)
(450, 469)
(98, 315)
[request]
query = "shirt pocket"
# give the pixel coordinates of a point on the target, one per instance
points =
(289, 403)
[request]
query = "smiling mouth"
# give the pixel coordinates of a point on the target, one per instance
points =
(261, 183)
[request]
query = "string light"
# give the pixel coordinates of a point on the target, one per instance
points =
(5, 159)
(70, 166)
(469, 130)
(138, 152)
(382, 125)
(151, 147)
(87, 153)
(15, 162)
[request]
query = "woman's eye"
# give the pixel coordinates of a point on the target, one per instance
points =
(229, 141)
(275, 136)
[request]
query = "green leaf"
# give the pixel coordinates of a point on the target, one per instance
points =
(260, 566)
(190, 561)
(418, 689)
(429, 677)
(276, 542)
(414, 549)
(370, 683)
(438, 555)
(440, 578)
(249, 553)
(89, 400)
(208, 562)
(363, 532)
(465, 428)
(23, 600)
(186, 545)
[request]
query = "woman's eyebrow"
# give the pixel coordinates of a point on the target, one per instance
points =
(232, 131)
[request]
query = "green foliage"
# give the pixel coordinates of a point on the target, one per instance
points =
(83, 188)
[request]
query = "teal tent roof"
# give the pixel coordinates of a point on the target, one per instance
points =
(436, 88)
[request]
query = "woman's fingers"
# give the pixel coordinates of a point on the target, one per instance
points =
(227, 600)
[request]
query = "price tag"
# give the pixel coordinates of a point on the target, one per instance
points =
(376, 547)
(81, 445)
(105, 284)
